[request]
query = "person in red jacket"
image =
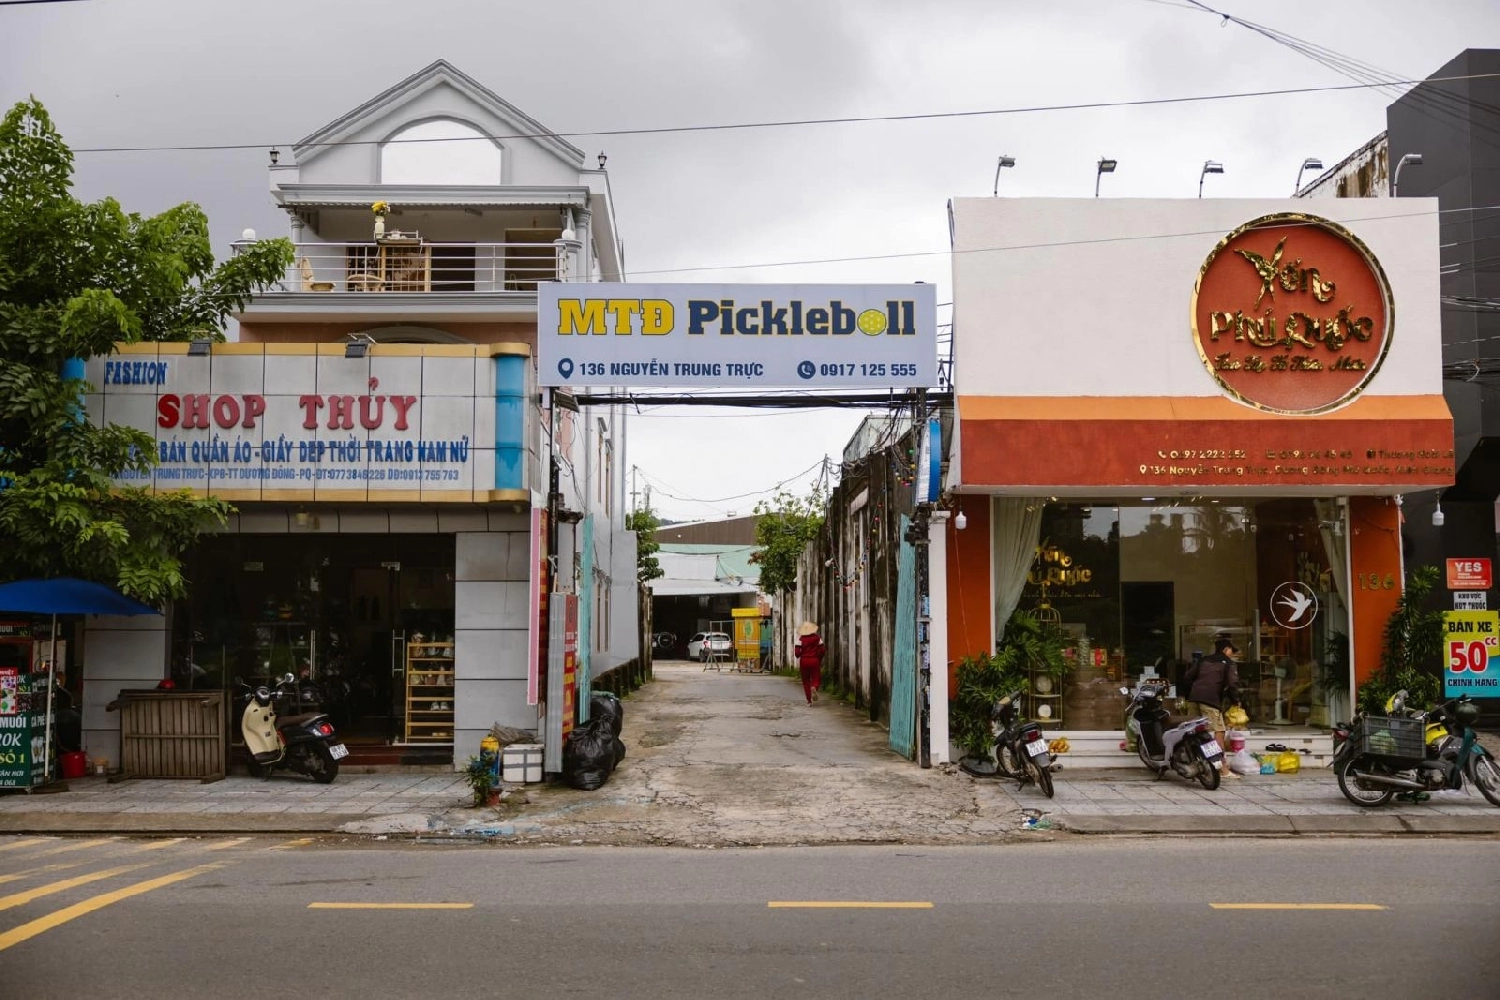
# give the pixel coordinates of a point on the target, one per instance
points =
(810, 651)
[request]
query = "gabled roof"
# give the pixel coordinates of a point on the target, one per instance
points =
(436, 74)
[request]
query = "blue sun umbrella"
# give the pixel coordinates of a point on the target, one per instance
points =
(64, 596)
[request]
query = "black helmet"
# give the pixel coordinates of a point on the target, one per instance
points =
(1466, 713)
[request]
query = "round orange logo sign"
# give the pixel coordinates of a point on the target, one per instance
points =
(1292, 314)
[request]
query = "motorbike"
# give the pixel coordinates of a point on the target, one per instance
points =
(1020, 748)
(1412, 752)
(1189, 749)
(304, 743)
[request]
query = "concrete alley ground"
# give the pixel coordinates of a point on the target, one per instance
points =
(724, 759)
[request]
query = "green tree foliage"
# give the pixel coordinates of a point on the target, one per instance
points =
(1029, 646)
(1412, 656)
(784, 526)
(644, 523)
(75, 279)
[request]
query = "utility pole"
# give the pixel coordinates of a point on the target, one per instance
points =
(633, 491)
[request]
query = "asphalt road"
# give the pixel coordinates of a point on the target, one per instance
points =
(1066, 919)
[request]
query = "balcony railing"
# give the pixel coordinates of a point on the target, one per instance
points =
(405, 262)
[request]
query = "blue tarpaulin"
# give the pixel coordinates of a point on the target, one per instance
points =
(68, 596)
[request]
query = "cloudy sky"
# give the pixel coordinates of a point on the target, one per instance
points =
(744, 205)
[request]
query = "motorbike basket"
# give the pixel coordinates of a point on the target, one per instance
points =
(1395, 741)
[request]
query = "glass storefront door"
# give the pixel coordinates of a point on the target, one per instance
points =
(1139, 588)
(331, 609)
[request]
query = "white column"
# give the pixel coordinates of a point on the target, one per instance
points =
(937, 638)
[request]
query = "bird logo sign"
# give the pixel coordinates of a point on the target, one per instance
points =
(1292, 314)
(1293, 605)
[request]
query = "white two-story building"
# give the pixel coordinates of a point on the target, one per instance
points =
(412, 512)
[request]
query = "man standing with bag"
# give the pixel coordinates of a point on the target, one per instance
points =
(810, 650)
(1214, 683)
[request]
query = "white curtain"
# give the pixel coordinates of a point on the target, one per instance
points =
(1018, 528)
(1335, 543)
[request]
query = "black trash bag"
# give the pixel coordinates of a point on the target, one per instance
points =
(619, 748)
(588, 756)
(604, 705)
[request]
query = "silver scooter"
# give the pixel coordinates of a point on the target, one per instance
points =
(1188, 749)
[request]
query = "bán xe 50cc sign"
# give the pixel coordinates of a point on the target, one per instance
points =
(1292, 314)
(715, 336)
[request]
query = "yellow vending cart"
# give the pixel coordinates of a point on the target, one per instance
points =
(747, 626)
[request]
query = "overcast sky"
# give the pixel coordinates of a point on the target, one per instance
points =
(186, 72)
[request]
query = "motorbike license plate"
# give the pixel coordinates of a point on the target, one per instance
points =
(1037, 749)
(338, 751)
(1212, 749)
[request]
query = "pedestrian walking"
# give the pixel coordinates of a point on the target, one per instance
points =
(810, 652)
(1214, 684)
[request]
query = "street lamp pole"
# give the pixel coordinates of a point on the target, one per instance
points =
(1005, 161)
(1407, 160)
(1209, 167)
(1106, 166)
(1311, 163)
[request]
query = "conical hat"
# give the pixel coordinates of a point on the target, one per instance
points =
(807, 628)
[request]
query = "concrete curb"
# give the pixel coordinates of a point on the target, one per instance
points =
(167, 822)
(1333, 824)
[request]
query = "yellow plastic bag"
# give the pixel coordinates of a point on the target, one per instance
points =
(1236, 718)
(1288, 763)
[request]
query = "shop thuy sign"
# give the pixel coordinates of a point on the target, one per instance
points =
(1292, 314)
(1471, 649)
(306, 422)
(1470, 574)
(726, 336)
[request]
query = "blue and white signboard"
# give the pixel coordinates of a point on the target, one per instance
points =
(725, 336)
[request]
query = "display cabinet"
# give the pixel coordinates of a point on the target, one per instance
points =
(429, 691)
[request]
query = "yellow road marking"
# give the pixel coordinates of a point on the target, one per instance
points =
(844, 905)
(1296, 906)
(27, 842)
(156, 845)
(390, 906)
(76, 846)
(27, 931)
(22, 898)
(290, 844)
(226, 844)
(17, 876)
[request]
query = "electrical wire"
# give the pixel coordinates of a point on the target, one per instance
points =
(665, 489)
(800, 122)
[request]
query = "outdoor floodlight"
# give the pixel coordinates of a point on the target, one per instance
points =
(1407, 160)
(1005, 161)
(1311, 163)
(1209, 167)
(1106, 166)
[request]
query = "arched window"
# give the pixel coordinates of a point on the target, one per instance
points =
(444, 152)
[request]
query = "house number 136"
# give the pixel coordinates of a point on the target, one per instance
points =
(1374, 581)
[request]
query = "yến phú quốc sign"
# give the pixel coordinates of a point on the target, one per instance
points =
(1292, 314)
(726, 336)
(1471, 652)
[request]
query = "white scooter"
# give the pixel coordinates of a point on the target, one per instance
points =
(1188, 749)
(304, 743)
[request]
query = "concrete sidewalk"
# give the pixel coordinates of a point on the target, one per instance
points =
(722, 760)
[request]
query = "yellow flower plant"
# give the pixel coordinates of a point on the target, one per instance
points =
(380, 207)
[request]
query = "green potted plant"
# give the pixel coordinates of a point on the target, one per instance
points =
(481, 777)
(1029, 644)
(1412, 655)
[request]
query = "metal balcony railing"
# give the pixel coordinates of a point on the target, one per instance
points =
(405, 262)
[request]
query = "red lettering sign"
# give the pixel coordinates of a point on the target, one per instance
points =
(1469, 574)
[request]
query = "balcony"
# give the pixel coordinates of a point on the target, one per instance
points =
(403, 273)
(405, 262)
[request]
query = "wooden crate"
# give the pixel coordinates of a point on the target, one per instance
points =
(172, 734)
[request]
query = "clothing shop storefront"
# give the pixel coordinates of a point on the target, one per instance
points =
(386, 547)
(1180, 420)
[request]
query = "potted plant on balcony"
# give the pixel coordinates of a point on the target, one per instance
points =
(381, 209)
